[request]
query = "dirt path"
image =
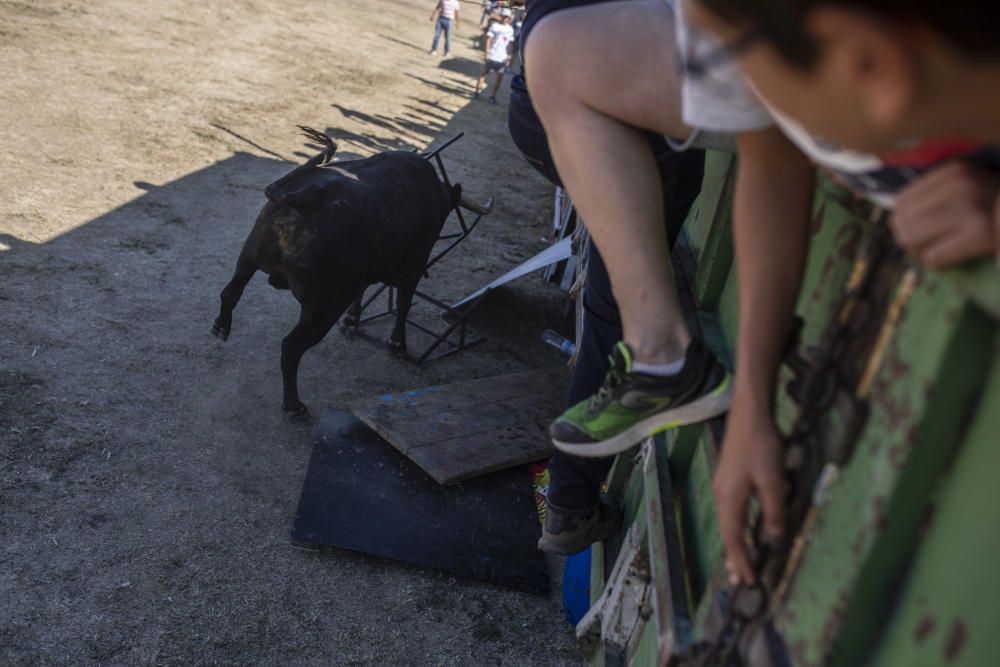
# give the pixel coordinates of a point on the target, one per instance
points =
(147, 479)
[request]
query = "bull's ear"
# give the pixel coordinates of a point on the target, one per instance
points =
(456, 194)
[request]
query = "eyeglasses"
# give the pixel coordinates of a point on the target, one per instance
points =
(699, 67)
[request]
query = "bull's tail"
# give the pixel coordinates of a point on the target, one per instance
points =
(323, 139)
(278, 192)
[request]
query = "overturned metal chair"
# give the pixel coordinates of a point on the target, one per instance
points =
(455, 337)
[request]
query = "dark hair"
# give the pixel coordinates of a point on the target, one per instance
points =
(970, 26)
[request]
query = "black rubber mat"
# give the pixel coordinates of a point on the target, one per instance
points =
(361, 494)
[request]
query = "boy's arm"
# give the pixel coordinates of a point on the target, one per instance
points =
(436, 8)
(489, 43)
(771, 228)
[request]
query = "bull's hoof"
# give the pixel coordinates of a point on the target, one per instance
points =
(397, 348)
(296, 412)
(220, 331)
(349, 325)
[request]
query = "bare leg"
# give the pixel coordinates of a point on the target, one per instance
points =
(481, 81)
(231, 296)
(597, 74)
(496, 84)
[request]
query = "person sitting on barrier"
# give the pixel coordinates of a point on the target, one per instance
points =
(598, 73)
(577, 515)
(876, 74)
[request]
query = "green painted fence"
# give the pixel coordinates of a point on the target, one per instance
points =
(896, 567)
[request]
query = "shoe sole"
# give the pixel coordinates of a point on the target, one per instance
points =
(712, 404)
(558, 549)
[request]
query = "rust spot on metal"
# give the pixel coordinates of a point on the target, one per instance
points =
(834, 622)
(924, 628)
(953, 645)
(895, 368)
(848, 241)
(797, 651)
(927, 518)
(817, 221)
(880, 513)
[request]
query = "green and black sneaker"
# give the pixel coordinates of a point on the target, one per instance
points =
(631, 406)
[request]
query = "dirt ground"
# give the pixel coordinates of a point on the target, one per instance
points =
(147, 478)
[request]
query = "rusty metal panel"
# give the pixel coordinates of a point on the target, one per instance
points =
(892, 567)
(702, 543)
(949, 608)
(931, 373)
(712, 204)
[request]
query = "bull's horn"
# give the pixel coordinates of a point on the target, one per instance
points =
(481, 209)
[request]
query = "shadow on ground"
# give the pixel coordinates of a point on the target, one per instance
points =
(147, 479)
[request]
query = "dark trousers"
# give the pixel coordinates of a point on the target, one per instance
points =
(575, 482)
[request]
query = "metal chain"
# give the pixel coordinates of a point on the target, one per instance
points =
(815, 388)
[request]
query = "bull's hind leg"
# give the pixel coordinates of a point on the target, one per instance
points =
(351, 321)
(404, 299)
(313, 325)
(231, 296)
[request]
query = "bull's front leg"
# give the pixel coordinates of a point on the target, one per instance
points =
(404, 299)
(313, 325)
(231, 296)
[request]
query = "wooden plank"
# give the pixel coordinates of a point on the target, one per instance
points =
(471, 428)
(417, 403)
(497, 449)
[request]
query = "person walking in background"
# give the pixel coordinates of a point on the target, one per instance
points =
(497, 54)
(446, 12)
(489, 6)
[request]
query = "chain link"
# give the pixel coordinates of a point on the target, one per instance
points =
(817, 384)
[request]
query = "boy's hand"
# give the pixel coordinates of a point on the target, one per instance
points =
(750, 465)
(949, 215)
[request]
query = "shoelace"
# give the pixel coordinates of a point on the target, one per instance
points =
(615, 376)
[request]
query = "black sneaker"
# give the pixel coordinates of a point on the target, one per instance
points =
(567, 532)
(493, 100)
(631, 406)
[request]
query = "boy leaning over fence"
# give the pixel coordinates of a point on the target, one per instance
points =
(915, 84)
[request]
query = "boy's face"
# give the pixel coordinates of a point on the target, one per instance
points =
(860, 92)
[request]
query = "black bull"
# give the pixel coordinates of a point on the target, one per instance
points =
(331, 229)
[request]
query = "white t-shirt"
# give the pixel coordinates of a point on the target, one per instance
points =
(502, 35)
(722, 101)
(448, 8)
